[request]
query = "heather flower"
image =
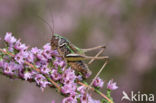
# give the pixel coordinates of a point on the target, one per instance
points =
(86, 98)
(55, 75)
(9, 38)
(111, 85)
(53, 101)
(8, 69)
(75, 95)
(45, 69)
(81, 89)
(19, 58)
(98, 83)
(39, 78)
(39, 64)
(41, 57)
(54, 53)
(30, 58)
(27, 75)
(79, 77)
(44, 84)
(69, 100)
(35, 50)
(47, 51)
(58, 62)
(10, 48)
(68, 76)
(68, 88)
(47, 47)
(19, 46)
(41, 81)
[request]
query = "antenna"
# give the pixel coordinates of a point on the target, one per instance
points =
(53, 26)
(49, 26)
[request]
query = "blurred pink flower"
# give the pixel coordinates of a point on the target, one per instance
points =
(111, 85)
(53, 101)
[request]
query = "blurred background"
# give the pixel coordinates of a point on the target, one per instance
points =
(127, 27)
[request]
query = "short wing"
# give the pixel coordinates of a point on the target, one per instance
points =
(74, 57)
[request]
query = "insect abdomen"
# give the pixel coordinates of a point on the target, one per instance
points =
(80, 66)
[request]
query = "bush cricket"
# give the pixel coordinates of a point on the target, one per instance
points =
(75, 56)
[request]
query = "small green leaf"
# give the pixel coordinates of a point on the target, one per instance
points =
(59, 70)
(50, 64)
(85, 82)
(103, 100)
(78, 100)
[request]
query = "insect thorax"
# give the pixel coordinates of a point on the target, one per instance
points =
(63, 45)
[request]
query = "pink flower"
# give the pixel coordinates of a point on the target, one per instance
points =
(69, 88)
(9, 38)
(53, 101)
(45, 69)
(19, 46)
(98, 82)
(55, 75)
(81, 89)
(27, 75)
(69, 100)
(111, 85)
(8, 69)
(68, 76)
(41, 81)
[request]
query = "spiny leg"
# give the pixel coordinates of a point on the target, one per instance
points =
(91, 61)
(105, 63)
(79, 57)
(99, 72)
(94, 48)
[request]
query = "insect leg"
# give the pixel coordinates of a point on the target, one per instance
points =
(105, 63)
(78, 57)
(99, 53)
(97, 58)
(94, 48)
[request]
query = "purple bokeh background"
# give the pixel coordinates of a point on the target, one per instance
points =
(127, 27)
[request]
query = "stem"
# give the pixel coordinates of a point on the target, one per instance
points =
(103, 95)
(10, 54)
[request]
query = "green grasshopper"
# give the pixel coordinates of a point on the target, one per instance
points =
(75, 56)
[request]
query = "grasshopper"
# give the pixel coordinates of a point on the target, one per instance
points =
(75, 56)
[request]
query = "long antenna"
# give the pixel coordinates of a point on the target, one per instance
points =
(53, 24)
(49, 26)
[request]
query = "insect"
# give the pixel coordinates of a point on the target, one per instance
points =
(75, 56)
